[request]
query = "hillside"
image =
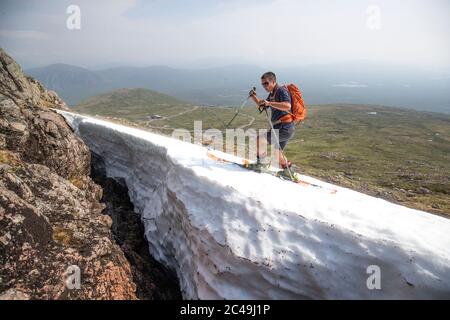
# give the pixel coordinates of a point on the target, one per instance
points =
(398, 154)
(132, 104)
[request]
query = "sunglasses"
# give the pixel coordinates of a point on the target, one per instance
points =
(265, 84)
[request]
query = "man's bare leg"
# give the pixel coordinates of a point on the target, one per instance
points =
(261, 147)
(280, 157)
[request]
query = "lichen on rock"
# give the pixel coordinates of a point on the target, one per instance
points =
(51, 217)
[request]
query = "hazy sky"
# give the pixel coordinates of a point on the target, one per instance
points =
(206, 33)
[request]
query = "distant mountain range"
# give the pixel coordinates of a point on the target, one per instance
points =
(353, 82)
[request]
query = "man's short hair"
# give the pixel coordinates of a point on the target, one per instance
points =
(269, 76)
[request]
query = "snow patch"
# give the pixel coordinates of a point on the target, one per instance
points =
(236, 234)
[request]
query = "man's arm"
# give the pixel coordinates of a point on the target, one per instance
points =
(256, 99)
(283, 106)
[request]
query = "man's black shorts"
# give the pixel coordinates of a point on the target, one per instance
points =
(285, 132)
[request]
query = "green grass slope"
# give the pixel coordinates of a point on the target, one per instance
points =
(132, 104)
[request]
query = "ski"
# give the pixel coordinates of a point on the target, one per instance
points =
(252, 166)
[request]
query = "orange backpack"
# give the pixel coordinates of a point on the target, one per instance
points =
(298, 108)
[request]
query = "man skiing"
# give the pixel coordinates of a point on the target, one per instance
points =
(279, 101)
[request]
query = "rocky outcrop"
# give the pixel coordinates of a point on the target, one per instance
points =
(51, 217)
(153, 280)
(20, 88)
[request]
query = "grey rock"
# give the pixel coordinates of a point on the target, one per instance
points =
(51, 216)
(13, 294)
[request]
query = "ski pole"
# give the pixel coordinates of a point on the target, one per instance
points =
(238, 110)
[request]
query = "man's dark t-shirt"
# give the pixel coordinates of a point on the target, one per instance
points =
(279, 94)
